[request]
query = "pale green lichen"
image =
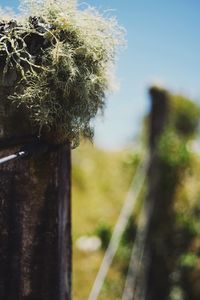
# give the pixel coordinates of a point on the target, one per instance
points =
(64, 84)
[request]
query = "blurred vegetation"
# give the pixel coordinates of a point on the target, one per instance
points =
(177, 213)
(100, 182)
(103, 231)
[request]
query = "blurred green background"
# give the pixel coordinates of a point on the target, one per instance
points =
(101, 180)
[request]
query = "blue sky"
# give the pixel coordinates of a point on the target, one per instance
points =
(163, 46)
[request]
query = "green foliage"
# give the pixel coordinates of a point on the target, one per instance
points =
(103, 231)
(183, 122)
(178, 166)
(112, 288)
(132, 160)
(189, 223)
(97, 198)
(125, 247)
(130, 232)
(173, 151)
(64, 82)
(176, 293)
(185, 116)
(188, 260)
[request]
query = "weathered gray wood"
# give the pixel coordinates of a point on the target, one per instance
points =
(158, 241)
(35, 251)
(35, 216)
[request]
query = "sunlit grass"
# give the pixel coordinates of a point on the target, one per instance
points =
(100, 182)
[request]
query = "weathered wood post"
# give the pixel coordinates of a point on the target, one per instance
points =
(156, 270)
(173, 122)
(168, 164)
(142, 275)
(35, 217)
(54, 63)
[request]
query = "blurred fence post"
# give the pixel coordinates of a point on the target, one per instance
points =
(154, 285)
(151, 282)
(158, 115)
(35, 221)
(143, 274)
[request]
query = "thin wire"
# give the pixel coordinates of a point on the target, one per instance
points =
(127, 209)
(141, 287)
(15, 156)
(30, 150)
(138, 251)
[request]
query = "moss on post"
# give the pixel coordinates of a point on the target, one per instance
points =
(55, 67)
(35, 228)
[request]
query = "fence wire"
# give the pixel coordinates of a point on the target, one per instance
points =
(125, 214)
(29, 150)
(15, 156)
(139, 256)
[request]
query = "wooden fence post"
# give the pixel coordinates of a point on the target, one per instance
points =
(160, 226)
(35, 217)
(143, 275)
